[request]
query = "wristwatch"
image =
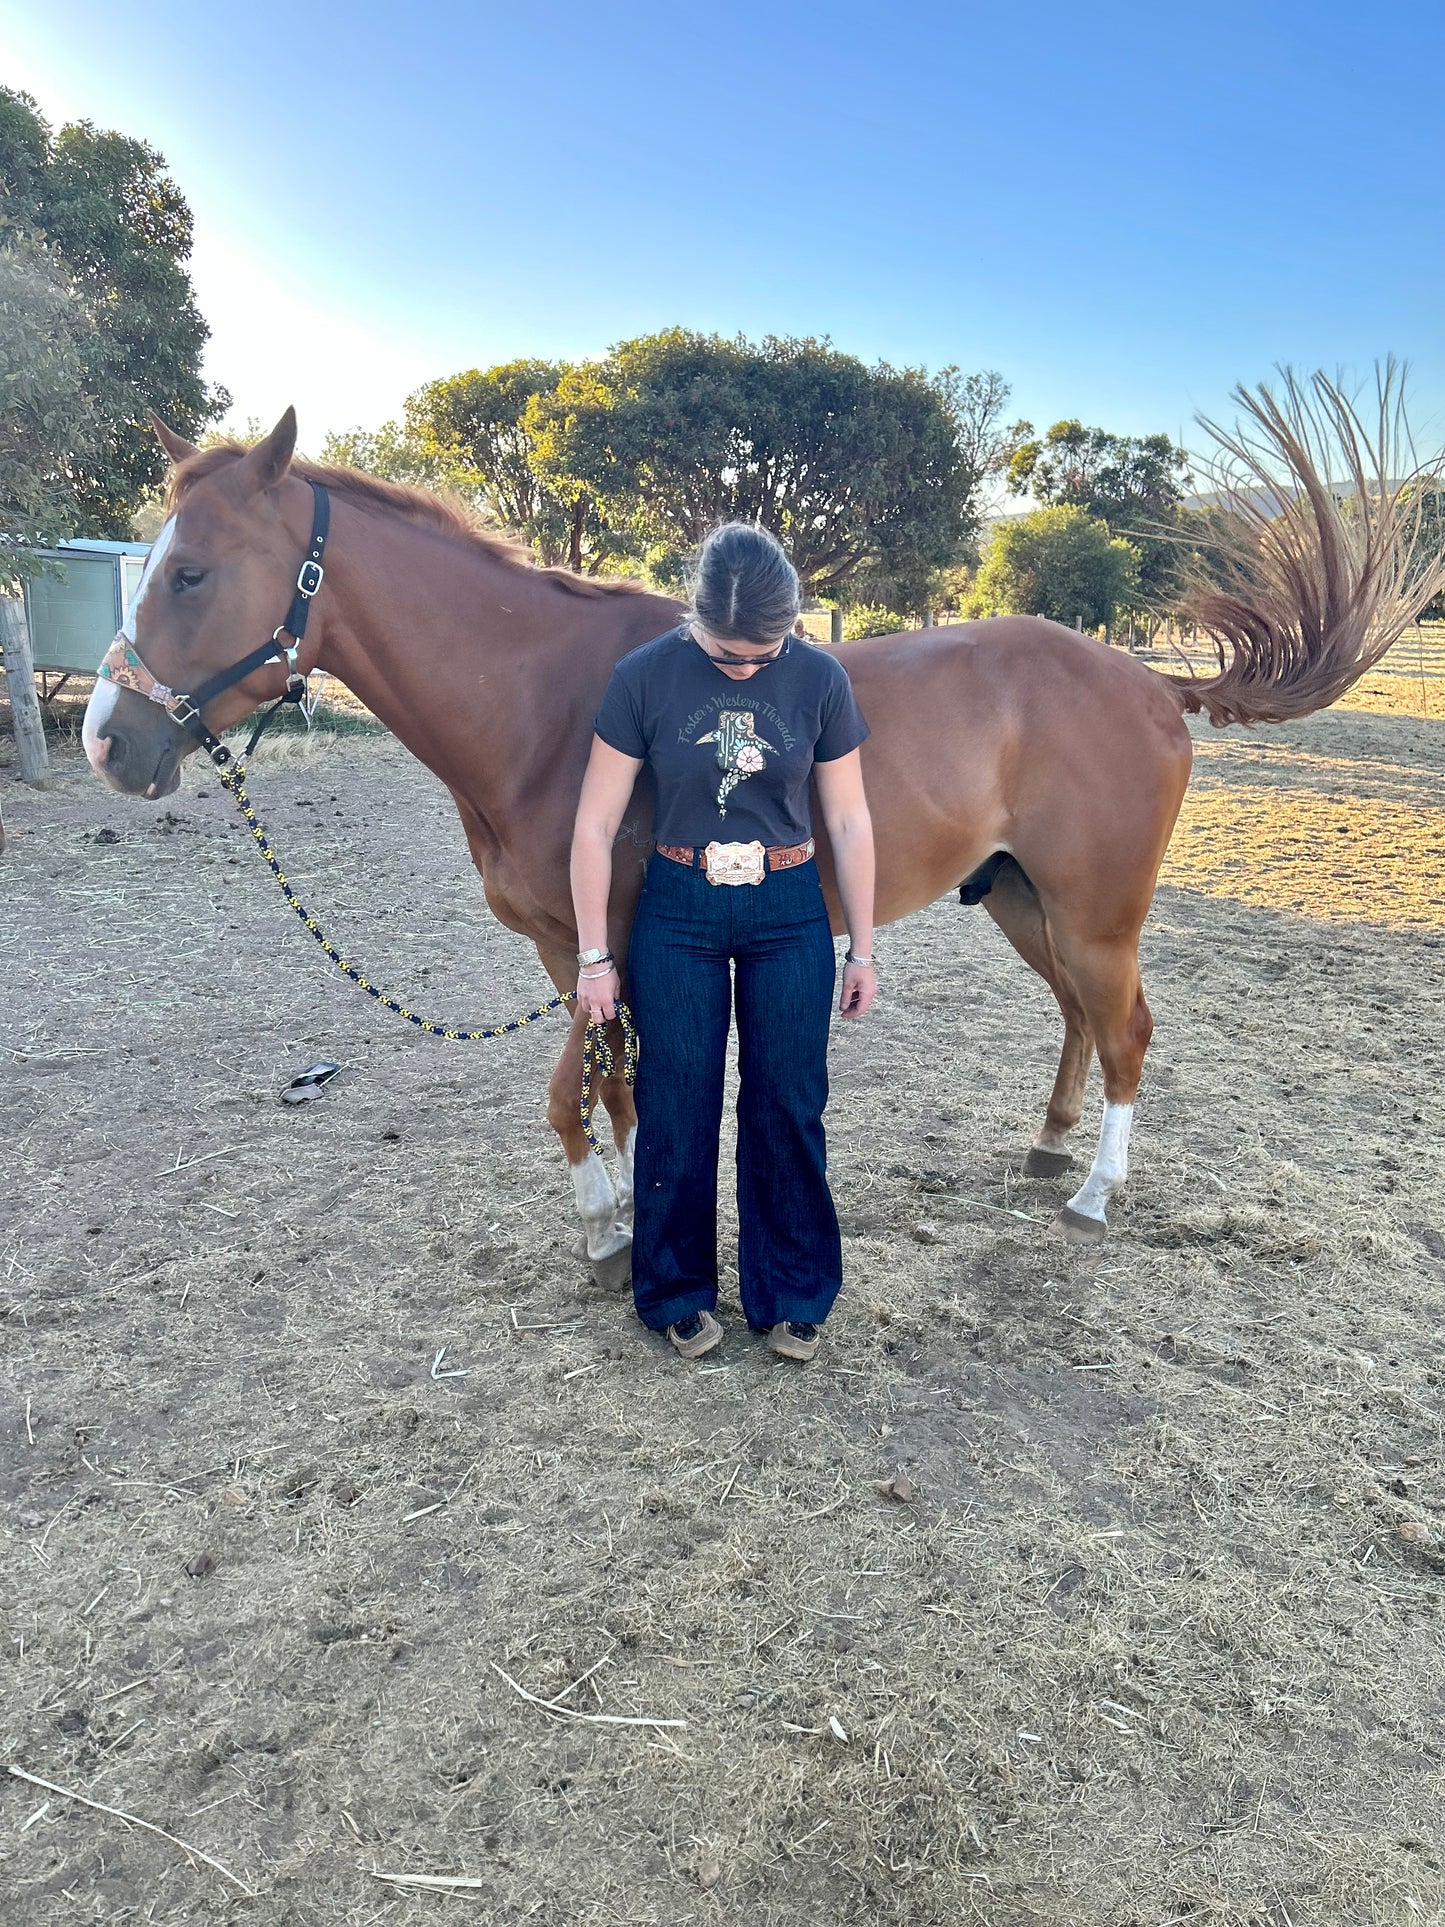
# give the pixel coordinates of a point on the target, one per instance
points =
(594, 956)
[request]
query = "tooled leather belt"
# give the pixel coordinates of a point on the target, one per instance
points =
(737, 862)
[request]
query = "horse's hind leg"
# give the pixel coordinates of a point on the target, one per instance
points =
(1107, 975)
(1094, 859)
(1014, 905)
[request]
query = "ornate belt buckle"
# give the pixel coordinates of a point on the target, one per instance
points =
(736, 862)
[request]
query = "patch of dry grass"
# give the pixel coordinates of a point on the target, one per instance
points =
(1337, 857)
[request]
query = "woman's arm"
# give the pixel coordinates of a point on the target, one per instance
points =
(850, 831)
(606, 788)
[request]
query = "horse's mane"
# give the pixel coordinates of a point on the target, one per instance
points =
(446, 517)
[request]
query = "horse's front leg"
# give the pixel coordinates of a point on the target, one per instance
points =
(608, 1234)
(617, 1096)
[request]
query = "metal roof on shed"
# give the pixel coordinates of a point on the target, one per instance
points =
(83, 544)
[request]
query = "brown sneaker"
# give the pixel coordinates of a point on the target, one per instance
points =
(795, 1339)
(696, 1334)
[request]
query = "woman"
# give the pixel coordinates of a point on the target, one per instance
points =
(735, 716)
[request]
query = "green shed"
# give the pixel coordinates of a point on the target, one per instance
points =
(75, 611)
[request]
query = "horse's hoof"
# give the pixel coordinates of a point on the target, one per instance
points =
(619, 1238)
(1043, 1163)
(614, 1273)
(1080, 1229)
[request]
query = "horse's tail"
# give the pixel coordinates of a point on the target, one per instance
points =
(1323, 546)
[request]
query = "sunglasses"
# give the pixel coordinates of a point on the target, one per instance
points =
(746, 662)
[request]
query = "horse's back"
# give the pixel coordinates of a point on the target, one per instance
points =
(1014, 733)
(1009, 665)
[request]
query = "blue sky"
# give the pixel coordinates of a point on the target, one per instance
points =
(1124, 208)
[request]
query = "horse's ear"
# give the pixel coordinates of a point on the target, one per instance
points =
(176, 446)
(263, 466)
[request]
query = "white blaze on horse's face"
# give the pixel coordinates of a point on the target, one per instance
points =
(103, 696)
(153, 560)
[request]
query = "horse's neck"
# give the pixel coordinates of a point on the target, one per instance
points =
(481, 668)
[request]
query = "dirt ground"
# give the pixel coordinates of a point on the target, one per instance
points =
(320, 1449)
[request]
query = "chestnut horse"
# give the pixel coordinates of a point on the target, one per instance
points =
(1033, 763)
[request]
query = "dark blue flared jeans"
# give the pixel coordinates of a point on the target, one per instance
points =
(692, 943)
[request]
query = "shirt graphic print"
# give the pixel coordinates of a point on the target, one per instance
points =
(730, 757)
(739, 752)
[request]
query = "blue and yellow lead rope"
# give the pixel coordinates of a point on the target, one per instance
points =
(597, 1053)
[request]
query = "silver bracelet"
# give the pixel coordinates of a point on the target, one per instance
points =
(587, 976)
(848, 957)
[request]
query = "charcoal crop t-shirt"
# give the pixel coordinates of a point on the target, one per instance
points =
(731, 757)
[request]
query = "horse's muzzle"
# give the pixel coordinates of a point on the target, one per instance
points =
(138, 765)
(131, 743)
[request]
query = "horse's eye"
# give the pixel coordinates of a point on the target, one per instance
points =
(183, 579)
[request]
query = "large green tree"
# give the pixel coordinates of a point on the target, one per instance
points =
(986, 445)
(1133, 483)
(390, 451)
(116, 234)
(856, 469)
(469, 434)
(1060, 563)
(47, 422)
(474, 422)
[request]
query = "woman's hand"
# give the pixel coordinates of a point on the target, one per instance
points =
(850, 831)
(860, 987)
(605, 790)
(597, 995)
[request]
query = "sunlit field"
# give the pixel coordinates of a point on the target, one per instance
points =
(1337, 819)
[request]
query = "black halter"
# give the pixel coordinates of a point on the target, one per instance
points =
(186, 710)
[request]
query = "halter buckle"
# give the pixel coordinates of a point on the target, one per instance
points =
(310, 578)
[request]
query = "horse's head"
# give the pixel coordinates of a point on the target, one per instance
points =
(218, 579)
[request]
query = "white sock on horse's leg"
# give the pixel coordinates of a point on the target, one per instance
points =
(624, 1179)
(597, 1208)
(1110, 1166)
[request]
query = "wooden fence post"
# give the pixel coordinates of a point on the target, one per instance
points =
(20, 684)
(835, 627)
